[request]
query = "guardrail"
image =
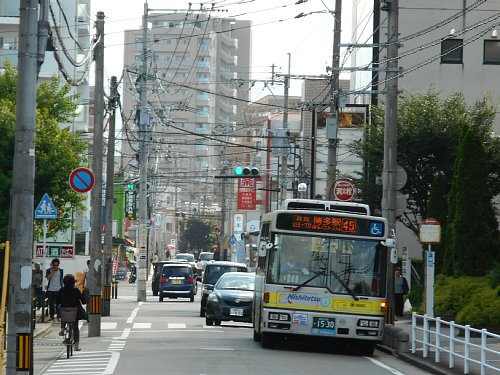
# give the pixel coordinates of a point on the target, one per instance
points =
(446, 337)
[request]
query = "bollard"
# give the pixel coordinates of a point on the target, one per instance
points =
(114, 289)
(403, 342)
(387, 334)
(394, 337)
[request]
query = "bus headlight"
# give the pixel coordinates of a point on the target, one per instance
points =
(368, 323)
(279, 316)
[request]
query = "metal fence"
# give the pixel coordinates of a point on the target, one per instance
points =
(473, 346)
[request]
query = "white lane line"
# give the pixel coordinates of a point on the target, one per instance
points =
(180, 330)
(176, 325)
(124, 335)
(132, 316)
(384, 366)
(108, 325)
(110, 369)
(219, 349)
(141, 325)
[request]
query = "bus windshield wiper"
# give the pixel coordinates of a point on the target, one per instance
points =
(346, 287)
(308, 280)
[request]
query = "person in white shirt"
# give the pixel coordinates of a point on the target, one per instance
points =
(54, 276)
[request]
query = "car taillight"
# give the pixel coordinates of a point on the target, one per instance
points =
(266, 297)
(191, 280)
(163, 279)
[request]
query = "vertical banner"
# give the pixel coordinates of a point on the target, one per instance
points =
(247, 193)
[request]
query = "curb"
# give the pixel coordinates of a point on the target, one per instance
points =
(416, 361)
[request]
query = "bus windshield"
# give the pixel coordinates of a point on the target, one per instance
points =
(343, 266)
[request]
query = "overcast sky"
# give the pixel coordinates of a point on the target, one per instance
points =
(275, 33)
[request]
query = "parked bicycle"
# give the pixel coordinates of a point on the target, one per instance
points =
(68, 318)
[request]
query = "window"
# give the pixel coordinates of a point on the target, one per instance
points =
(491, 52)
(452, 51)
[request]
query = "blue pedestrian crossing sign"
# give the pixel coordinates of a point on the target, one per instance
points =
(46, 209)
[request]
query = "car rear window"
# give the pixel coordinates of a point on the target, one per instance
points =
(206, 256)
(213, 273)
(188, 257)
(176, 272)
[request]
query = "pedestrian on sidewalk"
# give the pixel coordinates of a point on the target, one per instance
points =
(70, 296)
(54, 275)
(86, 285)
(37, 283)
(400, 290)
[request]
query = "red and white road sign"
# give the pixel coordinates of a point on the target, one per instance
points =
(343, 190)
(82, 180)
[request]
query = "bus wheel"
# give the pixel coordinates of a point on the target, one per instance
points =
(366, 349)
(209, 322)
(268, 340)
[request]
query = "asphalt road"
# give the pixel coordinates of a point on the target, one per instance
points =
(169, 337)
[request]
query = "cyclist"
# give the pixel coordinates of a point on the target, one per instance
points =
(69, 296)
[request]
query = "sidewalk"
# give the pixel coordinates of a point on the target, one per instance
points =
(428, 364)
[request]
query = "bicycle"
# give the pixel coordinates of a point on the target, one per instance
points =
(68, 317)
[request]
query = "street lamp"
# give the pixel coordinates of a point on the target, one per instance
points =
(302, 188)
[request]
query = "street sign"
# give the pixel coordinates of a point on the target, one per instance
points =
(46, 209)
(430, 231)
(343, 190)
(81, 180)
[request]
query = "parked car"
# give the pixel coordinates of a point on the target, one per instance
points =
(231, 299)
(177, 280)
(188, 258)
(213, 271)
(157, 267)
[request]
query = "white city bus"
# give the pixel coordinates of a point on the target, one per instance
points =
(321, 272)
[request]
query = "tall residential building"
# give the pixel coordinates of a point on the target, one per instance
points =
(197, 85)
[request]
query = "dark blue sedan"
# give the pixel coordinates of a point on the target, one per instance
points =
(231, 299)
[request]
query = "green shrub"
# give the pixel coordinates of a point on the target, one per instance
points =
(416, 297)
(467, 300)
(495, 276)
(483, 309)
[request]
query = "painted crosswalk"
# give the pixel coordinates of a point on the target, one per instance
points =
(98, 362)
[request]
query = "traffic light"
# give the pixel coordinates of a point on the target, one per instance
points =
(246, 171)
(131, 186)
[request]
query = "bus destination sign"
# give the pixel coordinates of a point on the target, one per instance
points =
(330, 224)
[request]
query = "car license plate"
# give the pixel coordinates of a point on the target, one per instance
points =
(236, 312)
(176, 281)
(323, 326)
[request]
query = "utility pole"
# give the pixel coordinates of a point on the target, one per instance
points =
(333, 120)
(108, 230)
(96, 258)
(284, 152)
(143, 168)
(20, 335)
(390, 140)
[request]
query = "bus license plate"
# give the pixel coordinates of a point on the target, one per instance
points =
(323, 326)
(236, 312)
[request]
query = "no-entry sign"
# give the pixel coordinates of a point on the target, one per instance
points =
(81, 180)
(343, 190)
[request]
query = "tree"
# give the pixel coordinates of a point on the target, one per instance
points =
(58, 151)
(198, 234)
(428, 132)
(472, 237)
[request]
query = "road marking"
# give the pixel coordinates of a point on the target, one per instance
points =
(132, 316)
(176, 325)
(384, 366)
(141, 325)
(219, 349)
(110, 369)
(84, 363)
(108, 325)
(124, 335)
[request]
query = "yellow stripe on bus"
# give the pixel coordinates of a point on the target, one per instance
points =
(299, 301)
